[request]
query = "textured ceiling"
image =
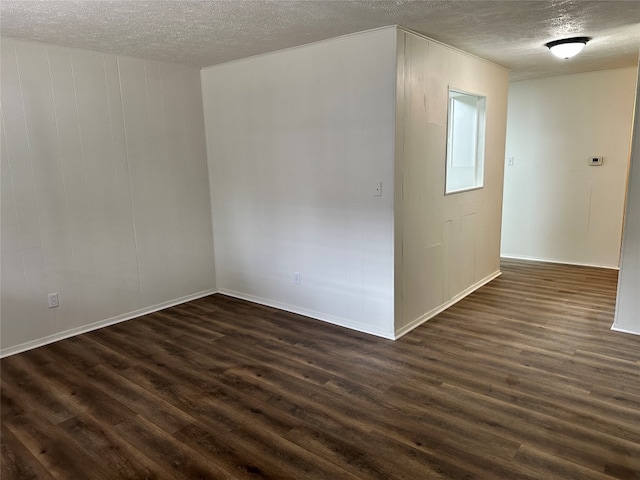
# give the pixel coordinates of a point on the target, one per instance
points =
(206, 32)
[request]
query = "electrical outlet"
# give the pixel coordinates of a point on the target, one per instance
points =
(53, 300)
(296, 278)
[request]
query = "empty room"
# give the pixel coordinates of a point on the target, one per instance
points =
(321, 239)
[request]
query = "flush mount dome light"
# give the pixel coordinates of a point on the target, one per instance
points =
(567, 47)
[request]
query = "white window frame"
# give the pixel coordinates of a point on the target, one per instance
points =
(471, 140)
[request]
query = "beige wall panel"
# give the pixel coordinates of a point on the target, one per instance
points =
(27, 236)
(147, 184)
(194, 149)
(77, 194)
(73, 162)
(174, 139)
(123, 184)
(100, 178)
(163, 185)
(13, 272)
(449, 243)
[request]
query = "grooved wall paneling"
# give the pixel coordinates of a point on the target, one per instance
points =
(446, 245)
(105, 198)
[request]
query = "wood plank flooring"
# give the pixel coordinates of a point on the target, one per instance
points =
(521, 380)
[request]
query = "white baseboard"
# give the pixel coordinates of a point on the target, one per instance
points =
(623, 330)
(339, 321)
(23, 347)
(432, 313)
(560, 262)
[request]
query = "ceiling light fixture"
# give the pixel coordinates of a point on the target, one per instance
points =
(567, 47)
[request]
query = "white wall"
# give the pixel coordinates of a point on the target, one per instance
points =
(105, 198)
(296, 141)
(446, 245)
(556, 206)
(627, 317)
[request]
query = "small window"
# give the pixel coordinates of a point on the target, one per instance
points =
(465, 142)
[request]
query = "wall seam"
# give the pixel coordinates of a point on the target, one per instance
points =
(171, 188)
(115, 165)
(15, 211)
(33, 180)
(84, 176)
(127, 163)
(64, 183)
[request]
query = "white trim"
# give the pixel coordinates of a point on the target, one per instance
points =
(623, 330)
(432, 313)
(560, 262)
(5, 352)
(339, 321)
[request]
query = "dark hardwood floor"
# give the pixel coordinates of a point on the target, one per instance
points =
(521, 380)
